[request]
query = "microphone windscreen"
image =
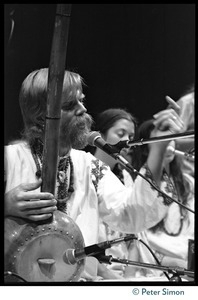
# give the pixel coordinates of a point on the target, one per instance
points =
(91, 137)
(170, 149)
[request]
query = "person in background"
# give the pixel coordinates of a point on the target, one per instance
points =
(85, 188)
(187, 114)
(169, 237)
(114, 125)
(117, 125)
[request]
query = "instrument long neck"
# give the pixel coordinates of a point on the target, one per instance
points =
(54, 93)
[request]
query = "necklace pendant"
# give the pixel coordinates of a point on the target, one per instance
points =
(61, 176)
(64, 200)
(67, 196)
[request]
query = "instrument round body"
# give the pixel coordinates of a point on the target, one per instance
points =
(36, 252)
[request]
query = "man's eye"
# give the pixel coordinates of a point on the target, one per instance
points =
(67, 106)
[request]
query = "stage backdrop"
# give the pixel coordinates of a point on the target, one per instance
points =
(130, 55)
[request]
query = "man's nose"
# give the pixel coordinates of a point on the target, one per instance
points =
(81, 109)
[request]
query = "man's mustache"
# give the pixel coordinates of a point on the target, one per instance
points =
(85, 119)
(78, 121)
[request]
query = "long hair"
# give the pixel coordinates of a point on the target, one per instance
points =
(181, 184)
(33, 100)
(107, 118)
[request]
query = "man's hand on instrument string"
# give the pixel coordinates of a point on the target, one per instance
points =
(22, 202)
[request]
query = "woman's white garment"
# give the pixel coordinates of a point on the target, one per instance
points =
(133, 250)
(124, 209)
(162, 244)
(175, 247)
(119, 250)
(170, 250)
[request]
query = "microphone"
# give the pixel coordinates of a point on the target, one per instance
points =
(94, 139)
(186, 155)
(71, 256)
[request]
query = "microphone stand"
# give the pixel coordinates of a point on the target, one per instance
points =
(130, 169)
(102, 258)
(161, 138)
(176, 271)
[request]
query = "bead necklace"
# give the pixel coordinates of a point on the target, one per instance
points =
(170, 187)
(65, 165)
(65, 190)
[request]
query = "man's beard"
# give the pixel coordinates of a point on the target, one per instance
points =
(74, 134)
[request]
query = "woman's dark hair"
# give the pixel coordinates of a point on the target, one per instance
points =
(181, 184)
(108, 117)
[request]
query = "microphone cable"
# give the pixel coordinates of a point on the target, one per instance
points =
(131, 169)
(153, 254)
(112, 151)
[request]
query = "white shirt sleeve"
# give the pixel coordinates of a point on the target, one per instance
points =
(129, 209)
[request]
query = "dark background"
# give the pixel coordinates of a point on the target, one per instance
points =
(130, 55)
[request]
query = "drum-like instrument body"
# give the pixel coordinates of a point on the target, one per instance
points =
(37, 252)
